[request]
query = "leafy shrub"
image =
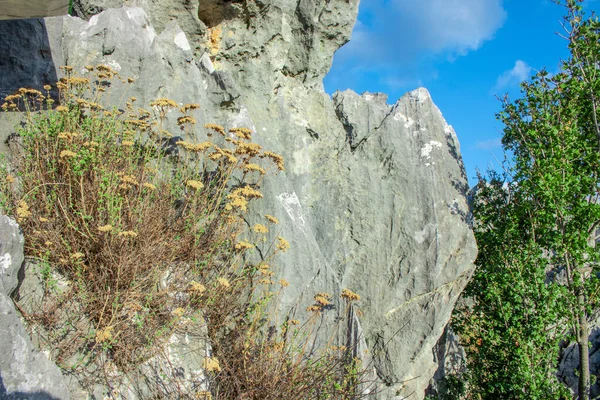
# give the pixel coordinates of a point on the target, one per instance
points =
(138, 235)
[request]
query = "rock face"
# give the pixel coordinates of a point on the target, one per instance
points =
(373, 197)
(24, 372)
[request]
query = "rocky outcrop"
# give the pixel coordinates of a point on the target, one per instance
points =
(373, 196)
(25, 373)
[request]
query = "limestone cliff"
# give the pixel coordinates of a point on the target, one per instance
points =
(373, 197)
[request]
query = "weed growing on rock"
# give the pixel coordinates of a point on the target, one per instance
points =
(140, 244)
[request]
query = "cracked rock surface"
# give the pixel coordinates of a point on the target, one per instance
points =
(373, 196)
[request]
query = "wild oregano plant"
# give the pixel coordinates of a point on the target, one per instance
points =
(137, 235)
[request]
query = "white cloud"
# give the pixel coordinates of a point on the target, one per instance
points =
(520, 72)
(452, 25)
(402, 37)
(489, 144)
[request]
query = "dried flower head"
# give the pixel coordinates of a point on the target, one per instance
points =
(243, 246)
(62, 109)
(186, 119)
(47, 87)
(127, 143)
(197, 288)
(322, 299)
(10, 179)
(23, 211)
(349, 295)
(271, 219)
(149, 186)
(248, 192)
(104, 335)
(105, 228)
(194, 184)
(77, 256)
(250, 149)
(242, 133)
(276, 158)
(217, 128)
(187, 107)
(128, 234)
(254, 167)
(284, 283)
(129, 179)
(314, 309)
(260, 228)
(236, 202)
(211, 365)
(163, 103)
(67, 154)
(283, 244)
(223, 282)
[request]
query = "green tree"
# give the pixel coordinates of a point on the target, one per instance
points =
(536, 222)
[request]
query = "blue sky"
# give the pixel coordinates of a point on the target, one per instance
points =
(465, 52)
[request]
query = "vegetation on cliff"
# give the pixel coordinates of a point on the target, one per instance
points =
(139, 236)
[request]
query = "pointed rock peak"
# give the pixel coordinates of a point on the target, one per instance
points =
(420, 95)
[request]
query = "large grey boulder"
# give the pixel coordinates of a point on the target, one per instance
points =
(25, 373)
(373, 196)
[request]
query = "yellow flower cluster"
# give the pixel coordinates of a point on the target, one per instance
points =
(243, 246)
(349, 295)
(186, 119)
(283, 244)
(126, 234)
(249, 192)
(197, 288)
(129, 180)
(239, 198)
(105, 228)
(104, 335)
(77, 256)
(187, 107)
(254, 167)
(194, 184)
(250, 149)
(163, 103)
(67, 154)
(196, 148)
(217, 128)
(276, 158)
(236, 202)
(242, 133)
(223, 282)
(322, 299)
(260, 228)
(67, 135)
(149, 186)
(211, 364)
